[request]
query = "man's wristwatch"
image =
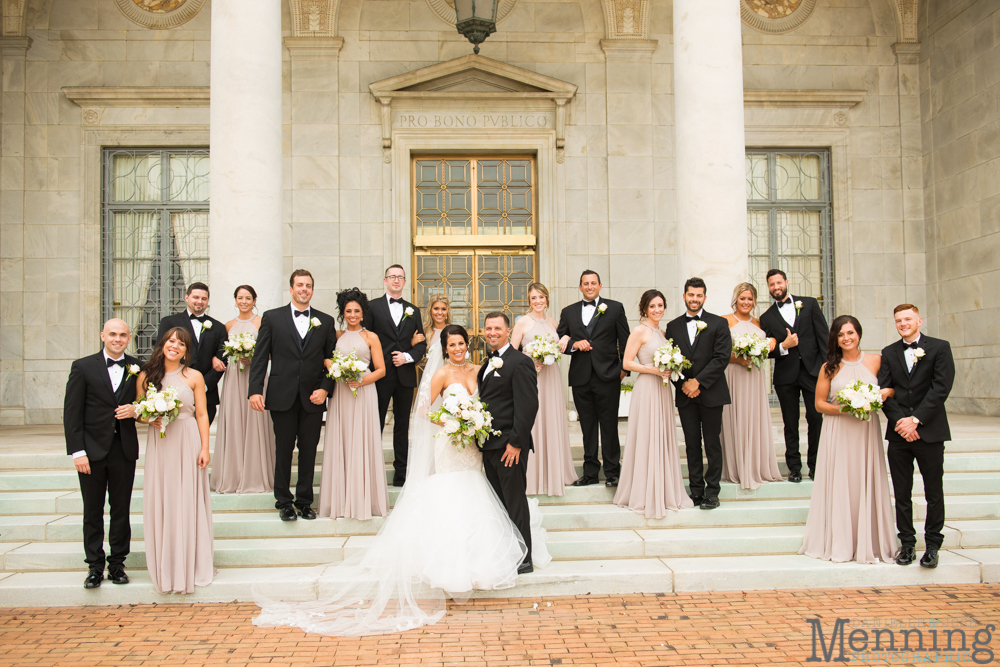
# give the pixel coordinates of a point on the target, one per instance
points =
(915, 420)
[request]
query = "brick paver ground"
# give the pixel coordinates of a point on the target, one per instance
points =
(752, 628)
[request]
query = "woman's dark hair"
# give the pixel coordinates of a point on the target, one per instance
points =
(834, 354)
(452, 330)
(252, 291)
(155, 368)
(646, 298)
(346, 296)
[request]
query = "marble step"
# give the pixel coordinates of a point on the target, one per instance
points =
(623, 576)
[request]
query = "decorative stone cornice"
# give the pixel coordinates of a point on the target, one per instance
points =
(626, 19)
(132, 96)
(15, 47)
(13, 17)
(906, 20)
(314, 18)
(314, 48)
(628, 49)
(802, 99)
(907, 53)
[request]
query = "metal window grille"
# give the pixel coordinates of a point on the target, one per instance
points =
(154, 235)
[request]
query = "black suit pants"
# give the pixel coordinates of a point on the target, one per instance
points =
(510, 484)
(113, 477)
(930, 458)
(211, 409)
(389, 388)
(698, 420)
(597, 405)
(291, 425)
(788, 399)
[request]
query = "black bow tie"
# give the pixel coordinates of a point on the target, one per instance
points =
(784, 303)
(688, 318)
(303, 313)
(914, 345)
(391, 300)
(200, 318)
(495, 353)
(116, 362)
(589, 303)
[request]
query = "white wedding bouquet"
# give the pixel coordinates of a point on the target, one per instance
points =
(860, 399)
(239, 348)
(669, 358)
(544, 349)
(347, 368)
(466, 421)
(751, 347)
(160, 404)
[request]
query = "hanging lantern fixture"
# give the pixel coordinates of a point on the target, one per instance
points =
(476, 20)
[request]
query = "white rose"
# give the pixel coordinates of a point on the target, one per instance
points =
(466, 415)
(160, 405)
(134, 369)
(336, 372)
(408, 311)
(248, 345)
(451, 425)
(858, 402)
(451, 403)
(798, 305)
(678, 357)
(573, 416)
(602, 307)
(496, 363)
(549, 360)
(919, 353)
(477, 420)
(701, 325)
(315, 322)
(207, 324)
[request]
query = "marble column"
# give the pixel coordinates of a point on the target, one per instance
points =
(710, 146)
(246, 236)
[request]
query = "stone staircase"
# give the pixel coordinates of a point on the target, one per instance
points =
(750, 542)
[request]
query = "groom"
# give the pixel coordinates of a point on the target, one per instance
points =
(508, 385)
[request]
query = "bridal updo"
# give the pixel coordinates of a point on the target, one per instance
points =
(452, 330)
(347, 296)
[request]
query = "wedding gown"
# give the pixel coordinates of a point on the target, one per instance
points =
(447, 535)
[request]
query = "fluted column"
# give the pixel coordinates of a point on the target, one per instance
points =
(710, 146)
(246, 238)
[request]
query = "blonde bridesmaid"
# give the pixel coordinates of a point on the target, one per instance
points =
(651, 482)
(748, 457)
(551, 469)
(244, 440)
(176, 504)
(353, 483)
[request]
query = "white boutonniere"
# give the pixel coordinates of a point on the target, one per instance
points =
(700, 326)
(408, 312)
(798, 307)
(313, 323)
(602, 308)
(918, 354)
(206, 325)
(496, 363)
(133, 370)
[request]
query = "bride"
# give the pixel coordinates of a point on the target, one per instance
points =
(447, 535)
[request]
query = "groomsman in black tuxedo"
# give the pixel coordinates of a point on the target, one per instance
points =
(597, 330)
(209, 335)
(99, 423)
(296, 339)
(508, 384)
(798, 325)
(705, 341)
(921, 370)
(394, 320)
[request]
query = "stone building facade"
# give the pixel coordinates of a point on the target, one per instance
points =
(322, 111)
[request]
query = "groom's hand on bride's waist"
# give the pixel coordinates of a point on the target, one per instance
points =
(511, 456)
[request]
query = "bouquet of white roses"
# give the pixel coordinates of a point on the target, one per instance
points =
(239, 348)
(752, 347)
(347, 368)
(669, 358)
(860, 399)
(543, 349)
(466, 421)
(163, 405)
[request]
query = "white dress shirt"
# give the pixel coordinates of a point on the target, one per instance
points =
(301, 323)
(489, 368)
(692, 326)
(396, 312)
(910, 354)
(117, 374)
(788, 313)
(589, 311)
(196, 325)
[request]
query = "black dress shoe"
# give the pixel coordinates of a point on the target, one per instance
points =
(586, 481)
(525, 567)
(396, 481)
(794, 477)
(930, 558)
(812, 474)
(308, 513)
(117, 575)
(612, 481)
(905, 555)
(710, 503)
(697, 500)
(94, 579)
(287, 514)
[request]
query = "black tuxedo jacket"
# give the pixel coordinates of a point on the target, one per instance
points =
(296, 364)
(709, 358)
(89, 409)
(397, 339)
(919, 394)
(607, 333)
(813, 333)
(511, 396)
(210, 345)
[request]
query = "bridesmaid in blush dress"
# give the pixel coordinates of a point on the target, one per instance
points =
(850, 513)
(551, 469)
(176, 505)
(244, 439)
(651, 481)
(353, 483)
(748, 457)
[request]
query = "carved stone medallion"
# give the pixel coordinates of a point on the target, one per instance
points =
(445, 9)
(159, 14)
(775, 16)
